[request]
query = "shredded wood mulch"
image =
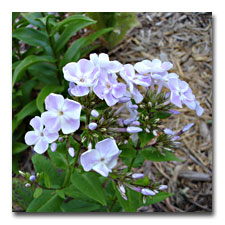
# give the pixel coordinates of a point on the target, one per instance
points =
(185, 39)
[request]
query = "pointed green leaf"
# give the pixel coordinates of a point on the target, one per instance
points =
(89, 184)
(38, 192)
(27, 62)
(31, 36)
(18, 147)
(47, 202)
(154, 155)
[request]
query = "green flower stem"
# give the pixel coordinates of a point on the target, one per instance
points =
(51, 42)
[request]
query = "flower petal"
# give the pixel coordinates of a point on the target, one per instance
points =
(31, 137)
(51, 120)
(50, 136)
(71, 72)
(119, 90)
(102, 169)
(107, 148)
(86, 66)
(89, 159)
(110, 99)
(72, 109)
(79, 91)
(69, 125)
(41, 146)
(137, 96)
(175, 99)
(36, 123)
(54, 102)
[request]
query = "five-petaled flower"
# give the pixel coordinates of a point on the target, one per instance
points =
(101, 159)
(40, 137)
(62, 114)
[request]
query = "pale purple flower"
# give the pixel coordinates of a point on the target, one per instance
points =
(106, 66)
(102, 159)
(109, 89)
(61, 139)
(122, 190)
(94, 113)
(154, 66)
(53, 146)
(163, 187)
(181, 93)
(147, 130)
(175, 138)
(137, 175)
(162, 79)
(32, 178)
(146, 191)
(92, 126)
(133, 79)
(168, 131)
(187, 127)
(133, 130)
(71, 151)
(40, 137)
(62, 114)
(83, 73)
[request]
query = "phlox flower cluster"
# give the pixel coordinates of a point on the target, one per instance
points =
(113, 83)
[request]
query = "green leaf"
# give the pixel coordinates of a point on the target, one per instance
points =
(89, 184)
(61, 194)
(69, 31)
(79, 206)
(162, 115)
(68, 20)
(74, 51)
(47, 202)
(145, 137)
(27, 62)
(133, 200)
(18, 147)
(47, 180)
(38, 192)
(154, 155)
(51, 88)
(31, 36)
(20, 194)
(14, 16)
(143, 181)
(58, 159)
(139, 160)
(42, 164)
(31, 18)
(127, 150)
(27, 110)
(157, 198)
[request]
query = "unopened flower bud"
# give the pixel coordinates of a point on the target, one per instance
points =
(71, 152)
(135, 123)
(175, 138)
(32, 178)
(61, 139)
(22, 173)
(163, 187)
(94, 113)
(53, 146)
(90, 146)
(137, 175)
(187, 127)
(95, 135)
(168, 131)
(147, 130)
(174, 112)
(27, 185)
(92, 126)
(146, 191)
(133, 130)
(103, 129)
(149, 104)
(124, 99)
(154, 132)
(156, 191)
(84, 139)
(168, 149)
(147, 118)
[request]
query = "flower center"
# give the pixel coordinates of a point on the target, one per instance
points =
(60, 113)
(82, 80)
(108, 86)
(41, 134)
(102, 159)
